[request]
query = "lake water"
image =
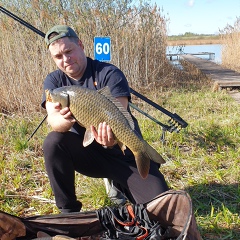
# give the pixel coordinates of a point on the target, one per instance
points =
(214, 48)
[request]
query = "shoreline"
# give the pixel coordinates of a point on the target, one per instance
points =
(182, 42)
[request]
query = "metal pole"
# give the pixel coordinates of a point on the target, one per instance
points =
(37, 128)
(26, 24)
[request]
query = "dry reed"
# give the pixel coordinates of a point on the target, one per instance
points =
(138, 40)
(231, 46)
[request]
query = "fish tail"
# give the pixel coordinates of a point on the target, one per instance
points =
(143, 158)
(143, 163)
(153, 154)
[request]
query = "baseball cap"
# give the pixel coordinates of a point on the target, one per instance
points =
(62, 31)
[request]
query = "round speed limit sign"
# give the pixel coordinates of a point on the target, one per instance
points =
(102, 48)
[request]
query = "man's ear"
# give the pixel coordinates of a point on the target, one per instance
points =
(80, 44)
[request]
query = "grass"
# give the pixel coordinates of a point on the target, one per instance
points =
(202, 159)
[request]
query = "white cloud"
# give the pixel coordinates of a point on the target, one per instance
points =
(190, 3)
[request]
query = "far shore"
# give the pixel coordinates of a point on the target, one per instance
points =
(184, 42)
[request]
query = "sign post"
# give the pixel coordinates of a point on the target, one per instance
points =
(102, 48)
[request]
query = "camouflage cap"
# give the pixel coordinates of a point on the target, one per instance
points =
(62, 31)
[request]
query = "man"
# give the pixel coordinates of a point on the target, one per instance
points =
(63, 150)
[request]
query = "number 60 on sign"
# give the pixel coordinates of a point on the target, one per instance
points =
(102, 48)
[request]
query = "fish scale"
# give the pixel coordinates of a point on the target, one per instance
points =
(91, 107)
(104, 111)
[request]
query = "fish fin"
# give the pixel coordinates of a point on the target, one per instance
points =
(88, 138)
(153, 154)
(143, 158)
(122, 147)
(106, 93)
(143, 163)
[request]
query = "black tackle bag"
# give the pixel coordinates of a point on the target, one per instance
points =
(169, 216)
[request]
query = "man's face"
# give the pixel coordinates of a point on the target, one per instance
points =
(69, 57)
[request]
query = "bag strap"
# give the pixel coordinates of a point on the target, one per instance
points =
(133, 222)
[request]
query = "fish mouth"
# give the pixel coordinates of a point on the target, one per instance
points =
(48, 93)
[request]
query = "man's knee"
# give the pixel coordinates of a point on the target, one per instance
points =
(53, 138)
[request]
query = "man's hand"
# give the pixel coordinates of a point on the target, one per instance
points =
(104, 135)
(60, 120)
(10, 227)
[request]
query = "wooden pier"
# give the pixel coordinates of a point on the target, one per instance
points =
(224, 78)
(177, 56)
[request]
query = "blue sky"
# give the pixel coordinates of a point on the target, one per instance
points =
(199, 16)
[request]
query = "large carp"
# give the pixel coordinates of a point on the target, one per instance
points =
(91, 107)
